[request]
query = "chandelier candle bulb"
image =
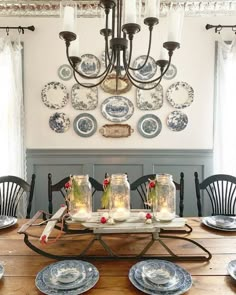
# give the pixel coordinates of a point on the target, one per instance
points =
(164, 54)
(69, 19)
(74, 50)
(175, 25)
(130, 11)
(152, 8)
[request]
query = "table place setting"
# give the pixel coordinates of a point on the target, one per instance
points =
(67, 277)
(7, 221)
(220, 222)
(160, 277)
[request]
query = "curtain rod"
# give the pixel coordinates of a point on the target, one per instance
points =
(19, 28)
(218, 28)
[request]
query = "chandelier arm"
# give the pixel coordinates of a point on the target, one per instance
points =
(78, 72)
(143, 88)
(163, 72)
(148, 52)
(93, 85)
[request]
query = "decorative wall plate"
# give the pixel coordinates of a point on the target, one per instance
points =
(150, 99)
(65, 72)
(85, 125)
(83, 98)
(54, 95)
(180, 95)
(148, 71)
(109, 84)
(59, 122)
(117, 108)
(177, 121)
(89, 65)
(171, 72)
(116, 130)
(149, 126)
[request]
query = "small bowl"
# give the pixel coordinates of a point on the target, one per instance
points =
(159, 272)
(1, 271)
(66, 273)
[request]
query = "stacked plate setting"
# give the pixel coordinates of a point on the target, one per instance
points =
(220, 222)
(67, 277)
(160, 277)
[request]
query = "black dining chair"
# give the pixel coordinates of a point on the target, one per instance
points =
(140, 186)
(221, 190)
(12, 190)
(60, 188)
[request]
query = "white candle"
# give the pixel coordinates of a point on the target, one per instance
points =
(121, 214)
(130, 11)
(69, 19)
(164, 54)
(152, 8)
(74, 47)
(175, 25)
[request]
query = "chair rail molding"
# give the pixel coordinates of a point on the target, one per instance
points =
(135, 162)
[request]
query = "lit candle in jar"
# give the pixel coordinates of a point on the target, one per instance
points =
(165, 214)
(80, 214)
(121, 214)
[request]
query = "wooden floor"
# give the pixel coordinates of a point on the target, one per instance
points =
(209, 278)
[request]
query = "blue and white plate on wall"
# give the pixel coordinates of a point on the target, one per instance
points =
(59, 122)
(54, 95)
(65, 72)
(85, 276)
(150, 99)
(180, 95)
(171, 72)
(117, 108)
(177, 121)
(146, 72)
(85, 125)
(83, 98)
(149, 126)
(89, 65)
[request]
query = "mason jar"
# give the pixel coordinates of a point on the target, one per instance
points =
(164, 205)
(119, 202)
(80, 198)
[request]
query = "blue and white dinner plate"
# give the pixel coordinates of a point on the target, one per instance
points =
(59, 122)
(146, 72)
(220, 222)
(85, 125)
(177, 121)
(232, 269)
(51, 287)
(183, 281)
(149, 126)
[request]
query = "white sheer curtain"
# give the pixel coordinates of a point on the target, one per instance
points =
(12, 151)
(225, 110)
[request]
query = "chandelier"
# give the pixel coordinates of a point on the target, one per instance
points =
(121, 24)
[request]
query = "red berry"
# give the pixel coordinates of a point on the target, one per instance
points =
(106, 182)
(68, 185)
(148, 216)
(152, 184)
(103, 220)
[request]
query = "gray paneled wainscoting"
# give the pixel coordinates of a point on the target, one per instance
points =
(135, 163)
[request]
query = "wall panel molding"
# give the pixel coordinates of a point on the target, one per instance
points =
(135, 163)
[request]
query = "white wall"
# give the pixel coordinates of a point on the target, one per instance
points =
(44, 52)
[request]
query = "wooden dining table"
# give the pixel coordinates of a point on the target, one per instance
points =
(209, 277)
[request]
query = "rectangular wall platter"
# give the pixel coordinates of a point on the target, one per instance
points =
(116, 130)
